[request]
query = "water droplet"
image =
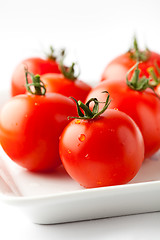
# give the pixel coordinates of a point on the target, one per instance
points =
(78, 121)
(86, 155)
(69, 151)
(36, 104)
(82, 137)
(115, 109)
(99, 183)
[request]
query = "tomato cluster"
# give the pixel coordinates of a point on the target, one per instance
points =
(116, 128)
(56, 77)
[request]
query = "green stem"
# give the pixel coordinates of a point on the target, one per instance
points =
(37, 84)
(135, 78)
(88, 114)
(137, 83)
(155, 81)
(138, 55)
(68, 72)
(55, 55)
(86, 109)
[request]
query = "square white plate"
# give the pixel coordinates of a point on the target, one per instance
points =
(55, 197)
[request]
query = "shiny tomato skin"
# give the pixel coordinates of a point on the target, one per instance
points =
(102, 152)
(59, 84)
(30, 127)
(118, 67)
(143, 107)
(36, 66)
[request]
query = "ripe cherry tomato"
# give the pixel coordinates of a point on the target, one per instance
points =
(30, 126)
(143, 106)
(36, 66)
(66, 83)
(105, 150)
(118, 67)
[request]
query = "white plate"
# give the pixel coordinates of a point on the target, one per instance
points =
(56, 198)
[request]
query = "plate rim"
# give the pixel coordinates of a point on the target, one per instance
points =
(85, 192)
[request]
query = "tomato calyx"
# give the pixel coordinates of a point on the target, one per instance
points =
(136, 83)
(68, 72)
(91, 114)
(140, 84)
(53, 55)
(36, 87)
(155, 81)
(138, 55)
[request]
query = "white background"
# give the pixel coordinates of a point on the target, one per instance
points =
(93, 32)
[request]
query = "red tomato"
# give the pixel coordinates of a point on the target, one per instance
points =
(119, 66)
(142, 106)
(104, 151)
(30, 126)
(60, 84)
(34, 65)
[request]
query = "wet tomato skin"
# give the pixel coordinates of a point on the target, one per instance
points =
(101, 152)
(30, 126)
(142, 106)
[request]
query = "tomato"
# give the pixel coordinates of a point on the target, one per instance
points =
(119, 66)
(102, 151)
(60, 84)
(36, 66)
(56, 77)
(30, 126)
(142, 106)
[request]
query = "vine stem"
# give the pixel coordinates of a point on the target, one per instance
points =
(84, 111)
(39, 88)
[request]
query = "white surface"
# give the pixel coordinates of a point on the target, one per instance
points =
(56, 198)
(14, 225)
(94, 31)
